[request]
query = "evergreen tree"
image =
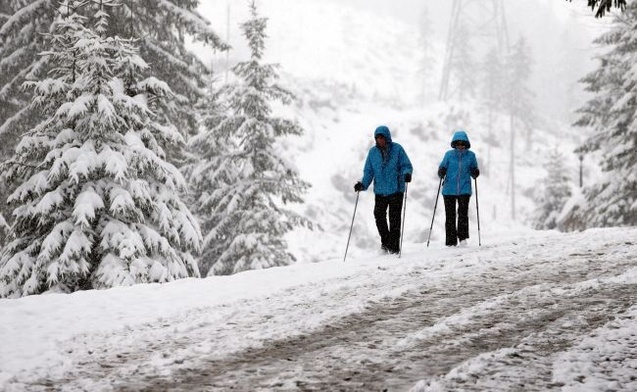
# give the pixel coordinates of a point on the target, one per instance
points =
(612, 115)
(4, 230)
(249, 181)
(427, 57)
(492, 84)
(23, 23)
(568, 66)
(464, 66)
(604, 6)
(210, 173)
(520, 97)
(161, 29)
(493, 100)
(96, 203)
(554, 192)
(22, 27)
(520, 108)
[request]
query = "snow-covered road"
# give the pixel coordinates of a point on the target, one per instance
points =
(550, 312)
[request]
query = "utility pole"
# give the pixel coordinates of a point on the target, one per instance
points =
(483, 20)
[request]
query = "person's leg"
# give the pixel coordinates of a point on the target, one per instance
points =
(463, 217)
(380, 215)
(395, 215)
(451, 233)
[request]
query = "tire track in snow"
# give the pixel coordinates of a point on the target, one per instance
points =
(412, 328)
(428, 332)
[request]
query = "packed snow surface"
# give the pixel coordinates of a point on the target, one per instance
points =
(526, 310)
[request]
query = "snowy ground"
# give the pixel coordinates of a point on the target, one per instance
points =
(533, 311)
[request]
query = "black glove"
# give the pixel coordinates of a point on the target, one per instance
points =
(358, 187)
(408, 177)
(442, 172)
(475, 172)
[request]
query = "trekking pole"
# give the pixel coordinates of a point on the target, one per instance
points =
(352, 227)
(402, 229)
(478, 212)
(434, 215)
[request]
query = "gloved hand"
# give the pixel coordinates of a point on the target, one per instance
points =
(408, 177)
(358, 187)
(442, 172)
(475, 172)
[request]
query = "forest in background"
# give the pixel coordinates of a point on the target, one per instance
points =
(127, 160)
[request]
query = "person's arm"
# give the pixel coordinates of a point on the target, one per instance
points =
(406, 166)
(442, 168)
(474, 170)
(368, 171)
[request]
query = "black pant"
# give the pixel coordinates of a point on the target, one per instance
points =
(454, 233)
(389, 235)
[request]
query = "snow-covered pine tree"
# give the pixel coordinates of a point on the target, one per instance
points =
(251, 182)
(492, 100)
(464, 66)
(612, 114)
(96, 203)
(210, 172)
(427, 57)
(162, 29)
(603, 6)
(22, 25)
(520, 108)
(520, 98)
(492, 85)
(553, 192)
(4, 230)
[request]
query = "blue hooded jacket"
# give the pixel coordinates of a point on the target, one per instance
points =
(386, 168)
(458, 164)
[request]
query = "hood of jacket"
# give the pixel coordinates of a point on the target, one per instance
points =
(460, 136)
(383, 130)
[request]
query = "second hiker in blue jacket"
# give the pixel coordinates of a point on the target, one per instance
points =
(388, 166)
(457, 168)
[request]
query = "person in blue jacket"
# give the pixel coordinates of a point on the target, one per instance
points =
(457, 168)
(388, 166)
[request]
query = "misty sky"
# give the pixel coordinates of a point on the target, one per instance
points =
(559, 32)
(408, 10)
